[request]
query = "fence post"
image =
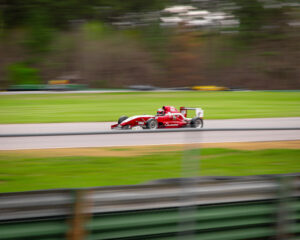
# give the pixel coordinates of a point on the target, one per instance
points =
(190, 171)
(285, 211)
(79, 217)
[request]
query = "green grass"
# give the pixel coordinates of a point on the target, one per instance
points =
(18, 173)
(110, 106)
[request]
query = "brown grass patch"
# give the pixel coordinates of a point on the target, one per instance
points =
(255, 145)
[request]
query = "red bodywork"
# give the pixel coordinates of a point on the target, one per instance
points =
(172, 118)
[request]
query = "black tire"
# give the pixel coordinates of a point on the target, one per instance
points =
(197, 123)
(121, 119)
(151, 124)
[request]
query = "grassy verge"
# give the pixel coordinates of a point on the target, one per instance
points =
(19, 172)
(110, 106)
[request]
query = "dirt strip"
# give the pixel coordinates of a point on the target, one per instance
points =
(145, 150)
(255, 145)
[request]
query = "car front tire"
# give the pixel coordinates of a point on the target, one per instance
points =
(151, 124)
(121, 119)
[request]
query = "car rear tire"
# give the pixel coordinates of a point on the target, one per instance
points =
(121, 119)
(197, 123)
(151, 124)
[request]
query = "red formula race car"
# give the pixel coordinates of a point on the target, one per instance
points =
(166, 117)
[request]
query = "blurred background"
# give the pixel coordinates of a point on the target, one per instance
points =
(64, 174)
(163, 43)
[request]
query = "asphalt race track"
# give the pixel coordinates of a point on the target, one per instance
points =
(11, 143)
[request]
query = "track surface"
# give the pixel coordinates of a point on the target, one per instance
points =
(144, 139)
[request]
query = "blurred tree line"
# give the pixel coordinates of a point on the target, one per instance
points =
(85, 40)
(60, 13)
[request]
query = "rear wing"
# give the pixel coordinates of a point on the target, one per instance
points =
(198, 111)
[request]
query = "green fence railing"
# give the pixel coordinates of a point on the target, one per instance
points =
(242, 208)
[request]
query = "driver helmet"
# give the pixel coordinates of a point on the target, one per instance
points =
(160, 112)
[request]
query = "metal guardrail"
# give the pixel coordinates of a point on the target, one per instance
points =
(147, 131)
(222, 208)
